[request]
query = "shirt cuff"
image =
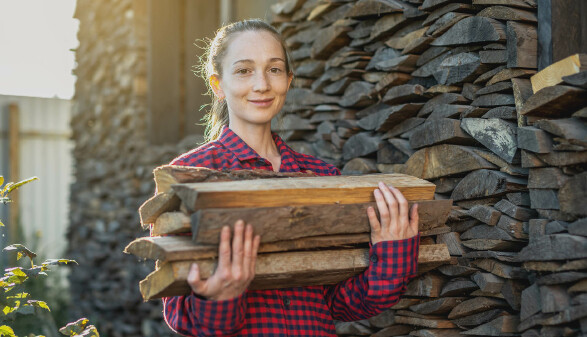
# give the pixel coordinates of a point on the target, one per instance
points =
(395, 259)
(225, 315)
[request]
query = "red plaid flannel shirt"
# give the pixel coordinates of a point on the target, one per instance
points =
(302, 311)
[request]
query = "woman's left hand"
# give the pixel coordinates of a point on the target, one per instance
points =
(397, 221)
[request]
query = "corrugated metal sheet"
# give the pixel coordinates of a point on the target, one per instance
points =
(45, 152)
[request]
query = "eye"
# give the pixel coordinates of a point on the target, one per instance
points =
(242, 71)
(275, 70)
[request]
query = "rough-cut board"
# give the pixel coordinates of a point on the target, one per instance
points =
(298, 191)
(553, 74)
(555, 247)
(506, 325)
(485, 183)
(556, 102)
(386, 118)
(291, 222)
(508, 13)
(272, 271)
(474, 306)
(167, 175)
(440, 131)
(573, 194)
(157, 205)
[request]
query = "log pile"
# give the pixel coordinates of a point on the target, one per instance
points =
(314, 230)
(437, 89)
(554, 148)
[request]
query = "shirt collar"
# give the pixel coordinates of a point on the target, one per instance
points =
(243, 151)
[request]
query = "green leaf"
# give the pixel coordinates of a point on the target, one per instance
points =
(21, 250)
(15, 275)
(58, 262)
(74, 328)
(5, 330)
(39, 304)
(12, 186)
(1, 223)
(1, 180)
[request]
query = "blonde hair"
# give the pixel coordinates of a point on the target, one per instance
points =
(217, 117)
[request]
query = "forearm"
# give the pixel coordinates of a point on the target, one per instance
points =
(193, 316)
(393, 264)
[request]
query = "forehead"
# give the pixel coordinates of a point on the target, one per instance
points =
(254, 45)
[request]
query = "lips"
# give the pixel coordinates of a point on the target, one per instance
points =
(265, 102)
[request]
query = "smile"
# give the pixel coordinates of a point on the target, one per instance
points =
(262, 102)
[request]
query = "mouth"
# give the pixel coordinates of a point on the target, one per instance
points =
(265, 102)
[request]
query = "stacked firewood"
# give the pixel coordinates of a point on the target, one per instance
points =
(314, 230)
(437, 89)
(554, 148)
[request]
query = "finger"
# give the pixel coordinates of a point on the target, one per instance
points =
(237, 249)
(414, 219)
(382, 208)
(391, 204)
(194, 280)
(224, 248)
(256, 243)
(402, 205)
(248, 250)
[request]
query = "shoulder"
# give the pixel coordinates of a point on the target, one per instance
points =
(318, 166)
(207, 155)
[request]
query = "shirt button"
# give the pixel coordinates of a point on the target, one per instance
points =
(374, 258)
(286, 301)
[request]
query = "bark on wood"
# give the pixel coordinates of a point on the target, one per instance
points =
(522, 45)
(484, 183)
(295, 191)
(474, 306)
(291, 222)
(553, 74)
(555, 247)
(556, 101)
(443, 160)
(508, 13)
(497, 135)
(440, 131)
(472, 30)
(157, 205)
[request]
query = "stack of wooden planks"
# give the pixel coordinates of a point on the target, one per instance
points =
(314, 230)
(554, 148)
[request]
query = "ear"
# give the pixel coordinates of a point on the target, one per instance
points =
(215, 85)
(289, 79)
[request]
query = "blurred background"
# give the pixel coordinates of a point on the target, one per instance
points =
(93, 96)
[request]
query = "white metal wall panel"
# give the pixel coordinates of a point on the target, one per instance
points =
(45, 152)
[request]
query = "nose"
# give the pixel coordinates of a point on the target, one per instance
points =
(261, 82)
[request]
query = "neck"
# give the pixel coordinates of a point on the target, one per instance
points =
(258, 137)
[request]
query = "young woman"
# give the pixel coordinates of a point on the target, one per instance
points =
(249, 72)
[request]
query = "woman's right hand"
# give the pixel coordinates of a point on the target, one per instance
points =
(236, 266)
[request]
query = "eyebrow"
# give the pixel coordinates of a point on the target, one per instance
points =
(274, 59)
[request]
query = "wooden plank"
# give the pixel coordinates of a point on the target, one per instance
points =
(384, 119)
(534, 140)
(291, 222)
(555, 247)
(569, 29)
(553, 74)
(478, 319)
(522, 91)
(568, 128)
(485, 214)
(485, 183)
(509, 73)
(443, 160)
(497, 135)
(556, 101)
(474, 306)
(429, 323)
(273, 271)
(573, 194)
(473, 29)
(440, 131)
(298, 191)
(151, 209)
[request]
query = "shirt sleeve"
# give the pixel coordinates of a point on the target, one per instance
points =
(392, 265)
(192, 315)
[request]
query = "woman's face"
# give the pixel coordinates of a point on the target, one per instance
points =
(254, 79)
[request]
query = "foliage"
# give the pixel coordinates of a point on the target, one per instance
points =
(14, 298)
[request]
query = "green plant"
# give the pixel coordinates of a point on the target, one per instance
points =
(14, 298)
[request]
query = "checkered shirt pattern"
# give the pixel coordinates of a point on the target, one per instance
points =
(301, 311)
